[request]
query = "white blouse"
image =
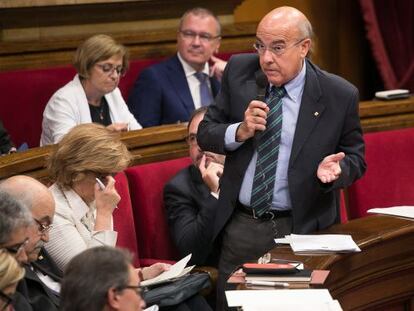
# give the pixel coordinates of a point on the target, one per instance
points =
(72, 230)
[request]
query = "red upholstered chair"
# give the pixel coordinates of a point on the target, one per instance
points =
(343, 210)
(389, 179)
(24, 95)
(146, 184)
(124, 219)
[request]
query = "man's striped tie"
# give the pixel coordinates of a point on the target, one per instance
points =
(267, 154)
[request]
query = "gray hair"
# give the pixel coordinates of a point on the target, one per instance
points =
(305, 29)
(202, 12)
(89, 276)
(13, 215)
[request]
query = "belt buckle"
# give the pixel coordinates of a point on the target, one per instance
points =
(272, 215)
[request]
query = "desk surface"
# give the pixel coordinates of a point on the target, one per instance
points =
(382, 274)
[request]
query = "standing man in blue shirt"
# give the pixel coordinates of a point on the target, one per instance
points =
(289, 153)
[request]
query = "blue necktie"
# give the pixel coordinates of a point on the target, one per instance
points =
(267, 154)
(205, 95)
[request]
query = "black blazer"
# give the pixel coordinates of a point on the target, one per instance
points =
(161, 94)
(328, 123)
(32, 293)
(191, 211)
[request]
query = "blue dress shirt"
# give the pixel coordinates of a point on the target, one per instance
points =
(291, 104)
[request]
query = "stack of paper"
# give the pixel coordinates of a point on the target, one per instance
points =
(293, 299)
(321, 243)
(296, 306)
(177, 270)
(403, 211)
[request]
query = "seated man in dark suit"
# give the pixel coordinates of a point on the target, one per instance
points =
(6, 145)
(168, 92)
(39, 290)
(191, 200)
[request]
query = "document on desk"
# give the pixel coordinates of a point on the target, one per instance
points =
(177, 270)
(256, 298)
(295, 306)
(322, 243)
(403, 211)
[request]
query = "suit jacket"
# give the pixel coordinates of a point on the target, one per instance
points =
(161, 94)
(5, 142)
(69, 107)
(328, 123)
(191, 211)
(32, 293)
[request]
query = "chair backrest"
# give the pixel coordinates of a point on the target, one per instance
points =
(124, 219)
(389, 179)
(146, 184)
(342, 207)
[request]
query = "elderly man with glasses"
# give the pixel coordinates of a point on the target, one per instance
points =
(293, 136)
(15, 219)
(168, 92)
(39, 289)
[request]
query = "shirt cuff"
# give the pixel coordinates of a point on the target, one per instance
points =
(230, 142)
(106, 237)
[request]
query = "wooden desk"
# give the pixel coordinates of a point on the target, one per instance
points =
(380, 276)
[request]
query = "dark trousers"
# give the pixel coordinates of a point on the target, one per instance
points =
(245, 239)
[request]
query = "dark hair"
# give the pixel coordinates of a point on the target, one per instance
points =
(13, 215)
(89, 276)
(196, 112)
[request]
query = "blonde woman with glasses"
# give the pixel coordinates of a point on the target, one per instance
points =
(10, 274)
(93, 94)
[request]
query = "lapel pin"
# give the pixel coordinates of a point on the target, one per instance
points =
(316, 113)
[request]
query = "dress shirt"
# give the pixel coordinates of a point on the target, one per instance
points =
(193, 82)
(291, 104)
(47, 280)
(72, 227)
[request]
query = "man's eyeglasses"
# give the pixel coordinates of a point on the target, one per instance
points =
(203, 36)
(191, 139)
(42, 227)
(6, 298)
(137, 289)
(110, 69)
(17, 248)
(276, 49)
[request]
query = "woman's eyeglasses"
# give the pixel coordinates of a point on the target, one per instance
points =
(110, 69)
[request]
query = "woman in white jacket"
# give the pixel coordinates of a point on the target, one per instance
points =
(93, 94)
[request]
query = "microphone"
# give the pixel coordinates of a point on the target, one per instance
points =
(261, 82)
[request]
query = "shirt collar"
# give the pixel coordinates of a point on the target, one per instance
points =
(295, 86)
(78, 206)
(188, 70)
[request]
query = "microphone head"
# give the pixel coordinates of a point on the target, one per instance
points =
(261, 81)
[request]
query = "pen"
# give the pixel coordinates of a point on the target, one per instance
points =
(268, 283)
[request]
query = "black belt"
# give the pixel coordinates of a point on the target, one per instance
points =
(271, 214)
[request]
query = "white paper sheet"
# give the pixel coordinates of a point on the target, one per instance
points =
(403, 211)
(323, 243)
(238, 298)
(295, 306)
(176, 270)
